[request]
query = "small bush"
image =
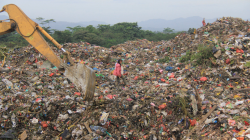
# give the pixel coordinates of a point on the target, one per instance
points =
(163, 60)
(223, 50)
(203, 53)
(247, 64)
(186, 57)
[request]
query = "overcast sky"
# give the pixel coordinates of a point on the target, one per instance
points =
(114, 11)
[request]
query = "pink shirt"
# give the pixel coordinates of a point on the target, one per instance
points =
(117, 71)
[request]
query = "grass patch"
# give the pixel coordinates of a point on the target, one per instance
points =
(223, 50)
(247, 64)
(186, 57)
(202, 54)
(163, 60)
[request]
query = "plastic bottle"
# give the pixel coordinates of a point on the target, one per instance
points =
(239, 102)
(13, 120)
(33, 94)
(65, 82)
(180, 121)
(205, 102)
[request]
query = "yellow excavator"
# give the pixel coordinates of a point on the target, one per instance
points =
(81, 75)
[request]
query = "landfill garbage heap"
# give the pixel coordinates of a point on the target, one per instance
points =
(174, 90)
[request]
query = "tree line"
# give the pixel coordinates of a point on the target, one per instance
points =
(102, 35)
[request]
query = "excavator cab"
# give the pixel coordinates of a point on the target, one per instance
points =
(81, 75)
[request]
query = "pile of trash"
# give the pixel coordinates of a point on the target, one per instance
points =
(163, 98)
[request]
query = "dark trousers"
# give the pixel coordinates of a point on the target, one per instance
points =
(118, 80)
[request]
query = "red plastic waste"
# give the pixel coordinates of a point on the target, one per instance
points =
(129, 99)
(110, 96)
(203, 79)
(162, 106)
(77, 93)
(45, 124)
(246, 123)
(239, 51)
(192, 122)
(163, 80)
(240, 138)
(172, 75)
(136, 77)
(38, 99)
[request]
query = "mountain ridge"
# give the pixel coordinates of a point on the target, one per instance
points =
(179, 24)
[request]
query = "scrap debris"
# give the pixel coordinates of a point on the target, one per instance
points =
(170, 86)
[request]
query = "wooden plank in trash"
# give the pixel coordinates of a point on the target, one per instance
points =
(244, 89)
(201, 121)
(234, 78)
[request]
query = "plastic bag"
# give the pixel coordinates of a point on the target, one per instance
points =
(192, 122)
(8, 135)
(203, 79)
(95, 128)
(8, 83)
(162, 106)
(168, 68)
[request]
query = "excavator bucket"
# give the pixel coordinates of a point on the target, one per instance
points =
(84, 79)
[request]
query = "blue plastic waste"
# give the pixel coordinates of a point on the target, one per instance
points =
(96, 69)
(168, 68)
(94, 128)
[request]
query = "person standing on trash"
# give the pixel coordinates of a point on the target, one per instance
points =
(117, 72)
(203, 22)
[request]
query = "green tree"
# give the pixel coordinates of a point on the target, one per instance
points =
(103, 35)
(93, 38)
(79, 35)
(41, 20)
(103, 28)
(168, 30)
(191, 30)
(48, 21)
(62, 36)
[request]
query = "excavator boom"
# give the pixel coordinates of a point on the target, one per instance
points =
(82, 76)
(28, 30)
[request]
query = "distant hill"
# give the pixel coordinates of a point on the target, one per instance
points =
(179, 24)
(62, 25)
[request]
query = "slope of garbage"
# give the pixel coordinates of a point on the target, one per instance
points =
(164, 97)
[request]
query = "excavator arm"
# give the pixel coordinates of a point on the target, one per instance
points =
(29, 30)
(82, 76)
